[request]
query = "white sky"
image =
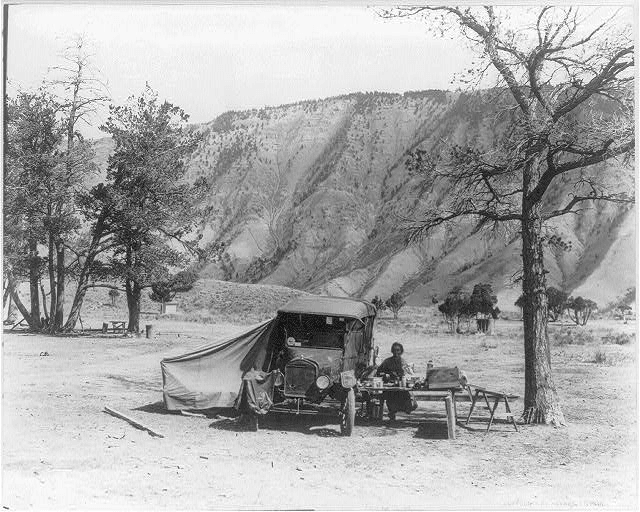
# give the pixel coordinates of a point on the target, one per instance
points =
(212, 58)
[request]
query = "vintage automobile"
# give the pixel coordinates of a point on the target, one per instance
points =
(323, 345)
(313, 351)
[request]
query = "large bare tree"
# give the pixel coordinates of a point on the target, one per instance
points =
(81, 93)
(564, 100)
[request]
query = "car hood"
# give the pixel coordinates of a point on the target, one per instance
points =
(329, 360)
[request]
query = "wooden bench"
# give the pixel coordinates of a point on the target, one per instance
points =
(497, 396)
(119, 326)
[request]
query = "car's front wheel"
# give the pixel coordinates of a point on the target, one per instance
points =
(348, 413)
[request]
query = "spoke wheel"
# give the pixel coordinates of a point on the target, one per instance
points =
(348, 413)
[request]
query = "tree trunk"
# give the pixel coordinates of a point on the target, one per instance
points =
(11, 304)
(44, 303)
(18, 302)
(34, 281)
(134, 293)
(52, 283)
(541, 403)
(6, 296)
(85, 273)
(76, 306)
(58, 319)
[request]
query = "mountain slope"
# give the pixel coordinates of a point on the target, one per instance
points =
(311, 196)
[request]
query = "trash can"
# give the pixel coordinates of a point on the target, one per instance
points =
(149, 330)
(105, 327)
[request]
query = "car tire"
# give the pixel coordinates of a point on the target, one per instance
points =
(348, 413)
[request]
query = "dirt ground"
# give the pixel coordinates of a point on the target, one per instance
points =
(60, 451)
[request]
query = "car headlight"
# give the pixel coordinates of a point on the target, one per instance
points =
(323, 382)
(291, 341)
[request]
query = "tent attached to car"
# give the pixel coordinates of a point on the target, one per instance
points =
(211, 375)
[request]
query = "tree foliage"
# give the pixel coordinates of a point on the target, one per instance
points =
(79, 91)
(456, 307)
(459, 306)
(32, 176)
(557, 303)
(395, 303)
(165, 291)
(152, 207)
(580, 309)
(483, 301)
(378, 303)
(113, 295)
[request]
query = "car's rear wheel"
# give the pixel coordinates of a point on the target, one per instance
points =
(348, 413)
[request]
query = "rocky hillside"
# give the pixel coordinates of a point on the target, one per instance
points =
(311, 196)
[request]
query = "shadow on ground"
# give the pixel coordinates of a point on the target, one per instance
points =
(159, 408)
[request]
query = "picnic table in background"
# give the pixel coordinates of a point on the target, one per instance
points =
(116, 326)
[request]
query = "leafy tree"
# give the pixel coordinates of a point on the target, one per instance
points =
(563, 104)
(624, 310)
(113, 294)
(32, 173)
(153, 207)
(580, 310)
(455, 307)
(395, 303)
(483, 300)
(483, 303)
(557, 303)
(165, 291)
(378, 303)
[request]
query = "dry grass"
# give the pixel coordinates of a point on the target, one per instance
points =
(58, 442)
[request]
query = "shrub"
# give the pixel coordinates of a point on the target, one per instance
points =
(600, 357)
(573, 337)
(378, 303)
(621, 338)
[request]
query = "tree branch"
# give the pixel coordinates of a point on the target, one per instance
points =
(588, 158)
(568, 208)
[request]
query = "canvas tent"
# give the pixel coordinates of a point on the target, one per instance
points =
(211, 375)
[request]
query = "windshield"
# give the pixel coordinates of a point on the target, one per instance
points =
(314, 330)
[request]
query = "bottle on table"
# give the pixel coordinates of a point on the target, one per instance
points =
(429, 367)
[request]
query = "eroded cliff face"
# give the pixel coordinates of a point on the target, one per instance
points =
(312, 195)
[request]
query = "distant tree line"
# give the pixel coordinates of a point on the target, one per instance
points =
(579, 309)
(460, 306)
(394, 303)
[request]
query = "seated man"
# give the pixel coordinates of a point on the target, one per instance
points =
(393, 369)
